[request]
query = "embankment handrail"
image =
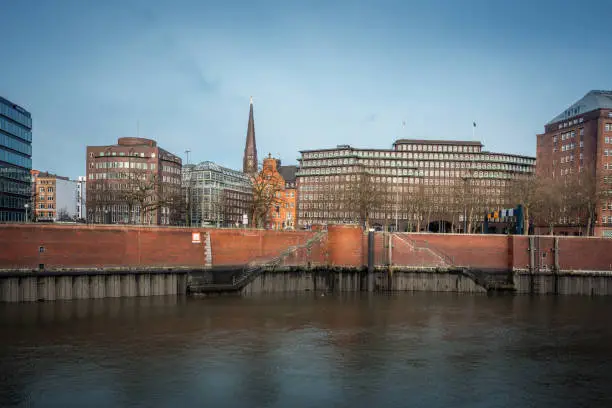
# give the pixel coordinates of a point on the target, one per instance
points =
(253, 268)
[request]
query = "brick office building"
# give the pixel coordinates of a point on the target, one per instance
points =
(133, 182)
(579, 140)
(417, 185)
(281, 214)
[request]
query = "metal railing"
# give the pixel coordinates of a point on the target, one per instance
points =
(252, 269)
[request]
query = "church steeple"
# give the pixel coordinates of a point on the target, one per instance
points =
(249, 162)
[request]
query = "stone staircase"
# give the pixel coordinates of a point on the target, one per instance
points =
(420, 253)
(492, 281)
(245, 275)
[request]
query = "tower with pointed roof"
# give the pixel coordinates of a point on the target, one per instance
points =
(249, 161)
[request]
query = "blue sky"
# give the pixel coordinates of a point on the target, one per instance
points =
(321, 73)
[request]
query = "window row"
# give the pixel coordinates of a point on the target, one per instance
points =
(13, 187)
(123, 165)
(110, 153)
(382, 161)
(18, 145)
(438, 148)
(12, 216)
(15, 115)
(171, 169)
(16, 159)
(8, 201)
(570, 123)
(16, 130)
(568, 147)
(47, 206)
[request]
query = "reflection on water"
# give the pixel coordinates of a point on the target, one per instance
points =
(424, 349)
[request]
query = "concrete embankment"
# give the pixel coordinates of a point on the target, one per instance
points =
(593, 283)
(353, 280)
(430, 280)
(32, 286)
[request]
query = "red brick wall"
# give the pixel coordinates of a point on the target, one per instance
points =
(73, 246)
(593, 254)
(520, 251)
(479, 251)
(345, 245)
(96, 246)
(237, 247)
(406, 253)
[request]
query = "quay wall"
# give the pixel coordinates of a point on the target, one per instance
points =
(70, 285)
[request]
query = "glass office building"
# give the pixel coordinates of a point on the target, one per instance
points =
(15, 161)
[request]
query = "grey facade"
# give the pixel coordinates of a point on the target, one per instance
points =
(216, 195)
(15, 161)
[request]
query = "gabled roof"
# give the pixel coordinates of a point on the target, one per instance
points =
(288, 173)
(593, 100)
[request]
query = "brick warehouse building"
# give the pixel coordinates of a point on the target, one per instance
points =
(417, 185)
(579, 140)
(133, 182)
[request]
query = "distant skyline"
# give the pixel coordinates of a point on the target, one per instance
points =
(320, 73)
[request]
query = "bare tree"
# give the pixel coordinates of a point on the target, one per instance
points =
(367, 199)
(62, 215)
(584, 192)
(266, 194)
(549, 204)
(524, 191)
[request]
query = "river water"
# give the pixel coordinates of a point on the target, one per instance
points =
(417, 350)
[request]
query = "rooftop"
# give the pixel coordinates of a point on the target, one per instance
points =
(438, 142)
(288, 173)
(208, 165)
(15, 106)
(46, 174)
(593, 100)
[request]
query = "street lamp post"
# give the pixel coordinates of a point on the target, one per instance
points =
(26, 211)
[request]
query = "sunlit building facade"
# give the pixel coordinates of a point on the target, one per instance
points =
(423, 182)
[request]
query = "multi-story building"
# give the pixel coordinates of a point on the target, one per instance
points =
(417, 185)
(15, 161)
(216, 195)
(576, 142)
(288, 173)
(55, 198)
(133, 182)
(281, 211)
